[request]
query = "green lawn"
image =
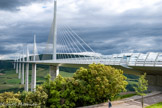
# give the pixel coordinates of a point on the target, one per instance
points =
(157, 105)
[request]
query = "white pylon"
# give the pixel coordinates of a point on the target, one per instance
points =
(34, 49)
(34, 66)
(27, 54)
(27, 70)
(19, 76)
(23, 56)
(14, 63)
(17, 65)
(55, 30)
(22, 78)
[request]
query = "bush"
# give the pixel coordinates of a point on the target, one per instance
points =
(9, 99)
(88, 86)
(38, 98)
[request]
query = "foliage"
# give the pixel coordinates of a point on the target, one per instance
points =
(59, 92)
(9, 98)
(131, 85)
(157, 105)
(118, 97)
(88, 86)
(100, 82)
(141, 87)
(6, 64)
(132, 77)
(39, 97)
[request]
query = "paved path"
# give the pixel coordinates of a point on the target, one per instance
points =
(133, 102)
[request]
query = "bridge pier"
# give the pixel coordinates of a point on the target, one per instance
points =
(14, 65)
(154, 82)
(33, 82)
(19, 71)
(22, 75)
(17, 66)
(27, 77)
(54, 71)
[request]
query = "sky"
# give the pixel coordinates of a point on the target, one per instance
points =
(107, 26)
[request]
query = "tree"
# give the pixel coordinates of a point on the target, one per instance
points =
(37, 98)
(88, 86)
(99, 82)
(141, 87)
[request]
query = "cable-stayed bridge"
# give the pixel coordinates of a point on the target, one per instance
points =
(66, 48)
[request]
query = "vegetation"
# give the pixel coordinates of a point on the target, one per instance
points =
(157, 105)
(132, 81)
(9, 80)
(118, 97)
(141, 87)
(38, 98)
(25, 99)
(5, 64)
(10, 98)
(87, 86)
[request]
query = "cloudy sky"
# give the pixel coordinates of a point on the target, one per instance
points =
(108, 26)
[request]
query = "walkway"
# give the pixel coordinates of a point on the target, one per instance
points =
(132, 102)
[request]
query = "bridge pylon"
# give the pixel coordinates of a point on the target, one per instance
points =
(22, 75)
(55, 30)
(34, 67)
(27, 71)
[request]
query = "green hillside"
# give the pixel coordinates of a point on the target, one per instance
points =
(9, 79)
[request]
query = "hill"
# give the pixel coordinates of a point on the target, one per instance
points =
(9, 79)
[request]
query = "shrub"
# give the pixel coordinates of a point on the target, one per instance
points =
(38, 98)
(9, 99)
(88, 86)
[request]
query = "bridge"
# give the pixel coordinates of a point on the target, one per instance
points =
(67, 49)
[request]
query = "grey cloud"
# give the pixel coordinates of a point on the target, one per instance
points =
(106, 34)
(13, 5)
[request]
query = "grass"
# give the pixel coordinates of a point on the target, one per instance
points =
(66, 74)
(127, 95)
(118, 97)
(9, 80)
(157, 105)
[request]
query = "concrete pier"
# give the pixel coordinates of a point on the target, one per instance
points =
(22, 75)
(19, 76)
(17, 66)
(27, 77)
(54, 71)
(14, 65)
(33, 83)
